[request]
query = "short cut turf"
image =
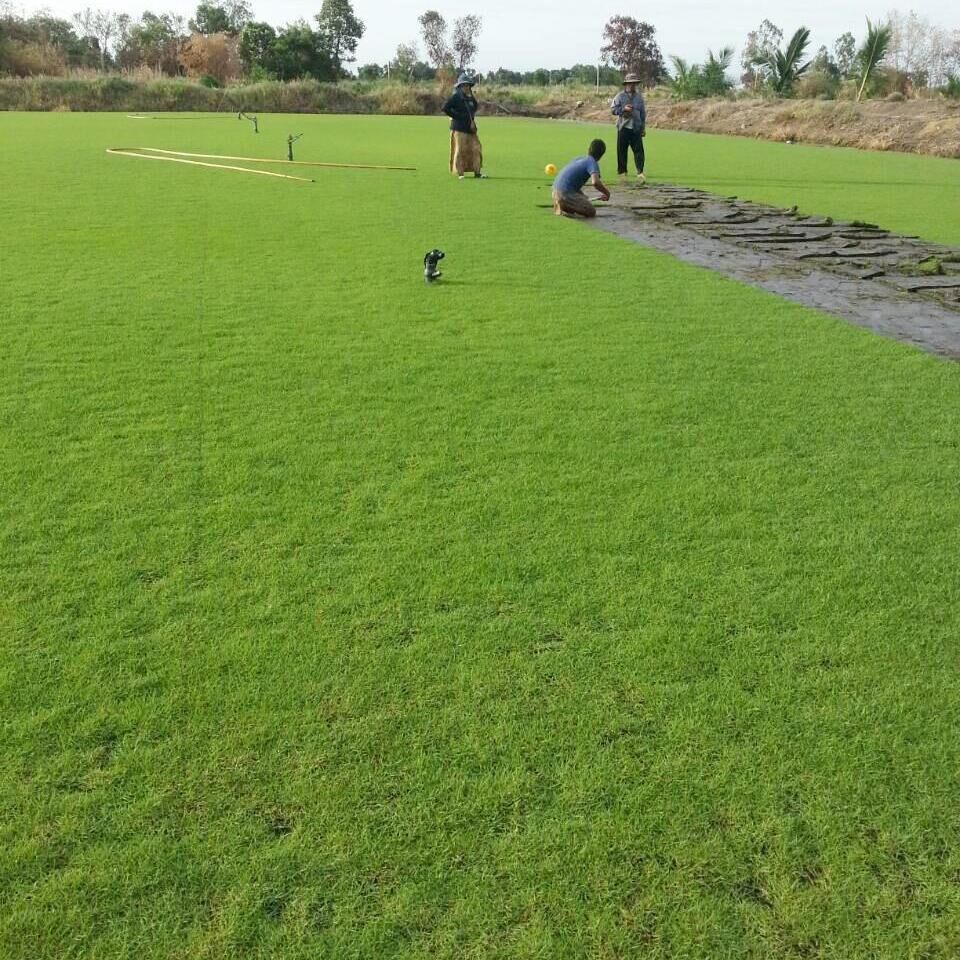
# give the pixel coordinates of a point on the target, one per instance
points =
(582, 604)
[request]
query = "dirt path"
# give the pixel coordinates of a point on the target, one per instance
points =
(900, 287)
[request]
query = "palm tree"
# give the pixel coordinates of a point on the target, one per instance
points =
(685, 79)
(714, 72)
(872, 52)
(785, 66)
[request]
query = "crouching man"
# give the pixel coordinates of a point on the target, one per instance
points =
(569, 200)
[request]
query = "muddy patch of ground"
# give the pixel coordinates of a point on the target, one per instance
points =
(900, 287)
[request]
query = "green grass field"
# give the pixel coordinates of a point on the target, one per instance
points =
(584, 605)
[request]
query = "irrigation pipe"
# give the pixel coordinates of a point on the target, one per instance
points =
(299, 163)
(134, 152)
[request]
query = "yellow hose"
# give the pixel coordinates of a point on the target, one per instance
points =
(299, 163)
(135, 152)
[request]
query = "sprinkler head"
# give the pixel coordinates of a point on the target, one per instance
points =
(430, 261)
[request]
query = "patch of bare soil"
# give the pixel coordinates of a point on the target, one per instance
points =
(900, 287)
(910, 126)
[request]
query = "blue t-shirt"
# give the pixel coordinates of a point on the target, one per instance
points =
(575, 174)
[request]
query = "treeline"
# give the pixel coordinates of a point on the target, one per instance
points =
(222, 44)
(219, 44)
(902, 56)
(418, 71)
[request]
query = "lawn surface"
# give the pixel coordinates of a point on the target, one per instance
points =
(584, 605)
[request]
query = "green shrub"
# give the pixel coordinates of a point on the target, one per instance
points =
(22, 59)
(817, 85)
(111, 93)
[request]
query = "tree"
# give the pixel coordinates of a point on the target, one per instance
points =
(213, 56)
(422, 71)
(784, 65)
(404, 61)
(239, 15)
(466, 31)
(299, 52)
(759, 47)
(630, 46)
(870, 55)
(340, 30)
(210, 18)
(707, 80)
(154, 40)
(715, 82)
(845, 55)
(824, 64)
(371, 71)
(102, 25)
(256, 46)
(49, 31)
(685, 82)
(433, 29)
(923, 53)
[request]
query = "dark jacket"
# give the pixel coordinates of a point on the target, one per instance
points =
(461, 109)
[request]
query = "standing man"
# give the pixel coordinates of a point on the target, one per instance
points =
(466, 153)
(631, 113)
(569, 200)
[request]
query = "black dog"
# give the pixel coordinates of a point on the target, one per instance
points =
(430, 261)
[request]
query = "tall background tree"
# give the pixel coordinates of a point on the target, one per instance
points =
(433, 31)
(685, 82)
(630, 45)
(845, 54)
(230, 17)
(213, 58)
(154, 41)
(714, 71)
(102, 25)
(301, 53)
(210, 18)
(406, 65)
(871, 54)
(707, 80)
(239, 15)
(466, 35)
(758, 48)
(786, 66)
(256, 47)
(341, 31)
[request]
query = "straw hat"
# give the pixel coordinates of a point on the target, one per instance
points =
(631, 78)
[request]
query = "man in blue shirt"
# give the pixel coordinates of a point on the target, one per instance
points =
(568, 196)
(631, 113)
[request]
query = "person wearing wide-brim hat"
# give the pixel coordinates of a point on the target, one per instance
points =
(631, 113)
(466, 152)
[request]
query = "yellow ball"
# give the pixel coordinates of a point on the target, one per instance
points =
(549, 169)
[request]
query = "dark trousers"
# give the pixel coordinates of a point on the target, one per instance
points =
(629, 139)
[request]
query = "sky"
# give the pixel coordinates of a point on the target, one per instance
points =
(525, 34)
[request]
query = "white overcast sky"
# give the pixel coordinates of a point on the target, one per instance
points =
(525, 34)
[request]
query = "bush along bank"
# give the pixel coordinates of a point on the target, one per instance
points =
(301, 96)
